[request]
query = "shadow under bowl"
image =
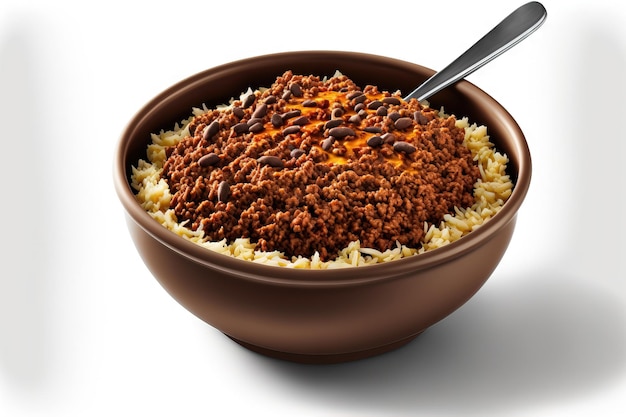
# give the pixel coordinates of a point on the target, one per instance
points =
(319, 316)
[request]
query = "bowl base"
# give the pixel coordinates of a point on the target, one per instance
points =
(324, 359)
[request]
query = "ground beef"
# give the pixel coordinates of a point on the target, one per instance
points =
(310, 165)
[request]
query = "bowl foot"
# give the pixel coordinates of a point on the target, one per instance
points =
(325, 358)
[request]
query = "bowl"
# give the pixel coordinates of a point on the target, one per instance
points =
(319, 316)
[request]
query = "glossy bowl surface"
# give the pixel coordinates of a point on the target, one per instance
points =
(330, 315)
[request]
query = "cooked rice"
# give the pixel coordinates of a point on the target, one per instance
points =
(491, 192)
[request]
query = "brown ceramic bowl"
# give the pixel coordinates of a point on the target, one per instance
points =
(311, 315)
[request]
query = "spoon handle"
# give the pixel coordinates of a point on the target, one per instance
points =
(508, 33)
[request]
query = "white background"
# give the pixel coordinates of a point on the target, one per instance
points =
(86, 331)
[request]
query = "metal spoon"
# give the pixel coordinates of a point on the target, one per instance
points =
(508, 33)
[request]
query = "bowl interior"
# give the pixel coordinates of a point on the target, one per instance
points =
(218, 85)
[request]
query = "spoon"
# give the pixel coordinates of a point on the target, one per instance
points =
(512, 30)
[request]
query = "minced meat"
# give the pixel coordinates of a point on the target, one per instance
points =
(309, 165)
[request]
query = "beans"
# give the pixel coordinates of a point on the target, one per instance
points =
(277, 120)
(271, 160)
(208, 160)
(394, 116)
(223, 191)
(297, 153)
(341, 132)
(420, 118)
(375, 141)
(389, 138)
(291, 114)
(374, 105)
(333, 123)
(296, 90)
(403, 123)
(327, 143)
(404, 147)
(254, 121)
(336, 113)
(239, 112)
(256, 128)
(248, 101)
(302, 120)
(252, 114)
(241, 128)
(373, 129)
(394, 101)
(291, 129)
(355, 119)
(260, 111)
(211, 130)
(360, 98)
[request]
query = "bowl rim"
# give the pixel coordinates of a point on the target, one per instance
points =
(286, 276)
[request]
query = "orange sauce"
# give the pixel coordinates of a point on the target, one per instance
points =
(326, 100)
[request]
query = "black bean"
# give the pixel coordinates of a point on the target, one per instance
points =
(295, 89)
(297, 153)
(373, 129)
(256, 128)
(332, 123)
(291, 129)
(277, 120)
(309, 103)
(394, 115)
(394, 101)
(248, 101)
(291, 114)
(354, 94)
(336, 113)
(403, 123)
(260, 111)
(211, 130)
(404, 147)
(355, 119)
(374, 104)
(238, 111)
(381, 111)
(375, 141)
(223, 191)
(240, 128)
(254, 121)
(327, 143)
(208, 160)
(389, 137)
(302, 120)
(420, 118)
(360, 98)
(341, 132)
(271, 160)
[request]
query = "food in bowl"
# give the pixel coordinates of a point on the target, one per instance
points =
(319, 315)
(320, 173)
